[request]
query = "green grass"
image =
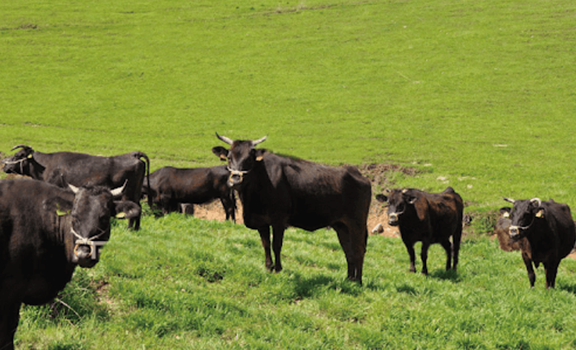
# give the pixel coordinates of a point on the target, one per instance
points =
(186, 283)
(476, 95)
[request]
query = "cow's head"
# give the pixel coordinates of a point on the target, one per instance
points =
(399, 201)
(241, 157)
(19, 163)
(90, 217)
(523, 215)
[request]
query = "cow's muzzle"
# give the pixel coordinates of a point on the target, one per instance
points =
(87, 250)
(8, 165)
(236, 177)
(514, 232)
(393, 219)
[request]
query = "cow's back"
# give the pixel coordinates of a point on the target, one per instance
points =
(446, 206)
(78, 169)
(86, 170)
(319, 195)
(564, 226)
(190, 185)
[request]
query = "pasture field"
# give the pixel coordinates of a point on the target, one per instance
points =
(187, 283)
(478, 95)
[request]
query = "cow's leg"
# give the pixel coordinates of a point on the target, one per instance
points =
(424, 256)
(265, 239)
(228, 206)
(551, 270)
(187, 208)
(135, 222)
(277, 240)
(9, 316)
(359, 242)
(344, 239)
(353, 242)
(448, 248)
(456, 248)
(529, 268)
(411, 254)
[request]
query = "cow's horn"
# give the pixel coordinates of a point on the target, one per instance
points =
(224, 139)
(509, 200)
(73, 188)
(118, 191)
(536, 200)
(19, 146)
(255, 142)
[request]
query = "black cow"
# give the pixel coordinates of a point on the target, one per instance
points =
(549, 228)
(280, 192)
(45, 231)
(175, 189)
(81, 169)
(428, 218)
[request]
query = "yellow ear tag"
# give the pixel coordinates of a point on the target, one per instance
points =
(30, 155)
(121, 215)
(506, 215)
(259, 158)
(223, 157)
(61, 212)
(540, 213)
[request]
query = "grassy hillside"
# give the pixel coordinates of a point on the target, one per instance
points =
(478, 94)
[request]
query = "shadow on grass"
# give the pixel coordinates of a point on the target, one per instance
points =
(568, 287)
(308, 286)
(449, 275)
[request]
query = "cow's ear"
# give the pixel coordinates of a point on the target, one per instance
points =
(57, 206)
(220, 152)
(260, 153)
(505, 211)
(409, 196)
(381, 198)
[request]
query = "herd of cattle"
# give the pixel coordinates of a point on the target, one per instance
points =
(60, 218)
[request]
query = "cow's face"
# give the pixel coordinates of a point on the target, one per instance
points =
(19, 162)
(398, 201)
(90, 225)
(91, 212)
(523, 215)
(241, 158)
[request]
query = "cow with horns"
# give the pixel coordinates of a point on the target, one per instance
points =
(550, 231)
(278, 192)
(81, 169)
(428, 218)
(45, 232)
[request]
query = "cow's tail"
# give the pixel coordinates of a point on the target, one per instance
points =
(139, 155)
